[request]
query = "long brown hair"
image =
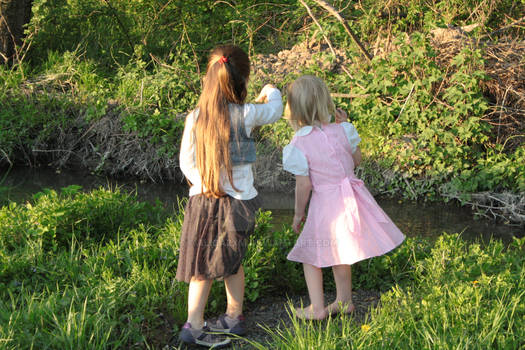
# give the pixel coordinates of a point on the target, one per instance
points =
(225, 82)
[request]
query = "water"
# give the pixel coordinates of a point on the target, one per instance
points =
(414, 219)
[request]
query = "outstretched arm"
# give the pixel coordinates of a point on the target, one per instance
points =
(303, 187)
(266, 113)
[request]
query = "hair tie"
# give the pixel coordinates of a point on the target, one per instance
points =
(223, 59)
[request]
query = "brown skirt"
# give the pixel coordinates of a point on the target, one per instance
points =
(214, 236)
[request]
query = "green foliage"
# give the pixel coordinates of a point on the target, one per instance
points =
(421, 128)
(394, 268)
(415, 124)
(110, 275)
(25, 124)
(119, 31)
(422, 125)
(458, 295)
(97, 270)
(419, 15)
(496, 170)
(53, 220)
(72, 91)
(266, 259)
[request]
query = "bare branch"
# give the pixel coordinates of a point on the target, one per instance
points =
(335, 94)
(343, 21)
(318, 25)
(506, 27)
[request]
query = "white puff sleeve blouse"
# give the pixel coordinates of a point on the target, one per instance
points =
(351, 135)
(294, 161)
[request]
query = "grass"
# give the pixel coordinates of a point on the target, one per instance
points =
(96, 270)
(459, 296)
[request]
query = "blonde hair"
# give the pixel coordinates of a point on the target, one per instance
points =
(309, 102)
(225, 82)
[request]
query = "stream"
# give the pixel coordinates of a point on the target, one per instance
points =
(415, 219)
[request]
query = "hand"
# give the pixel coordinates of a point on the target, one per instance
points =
(340, 116)
(297, 221)
(263, 97)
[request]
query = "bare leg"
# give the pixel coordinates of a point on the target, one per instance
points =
(314, 281)
(343, 285)
(198, 293)
(235, 293)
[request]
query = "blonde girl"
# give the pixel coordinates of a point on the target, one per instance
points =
(216, 157)
(344, 223)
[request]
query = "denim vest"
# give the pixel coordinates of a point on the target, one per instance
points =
(242, 147)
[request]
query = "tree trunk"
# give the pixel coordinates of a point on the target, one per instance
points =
(14, 15)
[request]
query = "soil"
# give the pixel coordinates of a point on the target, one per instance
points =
(270, 67)
(273, 313)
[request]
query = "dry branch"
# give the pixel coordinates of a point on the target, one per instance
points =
(508, 207)
(522, 19)
(343, 21)
(335, 94)
(318, 25)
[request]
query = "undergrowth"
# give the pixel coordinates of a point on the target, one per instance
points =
(97, 270)
(458, 295)
(138, 66)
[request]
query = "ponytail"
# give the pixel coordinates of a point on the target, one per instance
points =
(225, 82)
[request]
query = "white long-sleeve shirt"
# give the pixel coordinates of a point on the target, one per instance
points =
(242, 175)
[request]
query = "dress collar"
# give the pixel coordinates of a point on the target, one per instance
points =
(305, 130)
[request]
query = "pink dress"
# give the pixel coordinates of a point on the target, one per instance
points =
(344, 223)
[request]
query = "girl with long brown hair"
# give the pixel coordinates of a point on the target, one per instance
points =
(216, 157)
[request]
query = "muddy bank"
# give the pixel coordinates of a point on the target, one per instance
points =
(428, 219)
(105, 146)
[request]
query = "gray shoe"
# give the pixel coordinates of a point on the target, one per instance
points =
(226, 324)
(203, 337)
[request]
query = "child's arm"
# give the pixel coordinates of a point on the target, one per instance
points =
(340, 116)
(187, 162)
(266, 113)
(303, 187)
(356, 156)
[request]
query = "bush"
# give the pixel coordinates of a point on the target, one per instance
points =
(53, 220)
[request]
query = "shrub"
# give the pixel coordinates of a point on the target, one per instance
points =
(52, 219)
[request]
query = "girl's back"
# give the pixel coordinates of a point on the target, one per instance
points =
(328, 151)
(344, 223)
